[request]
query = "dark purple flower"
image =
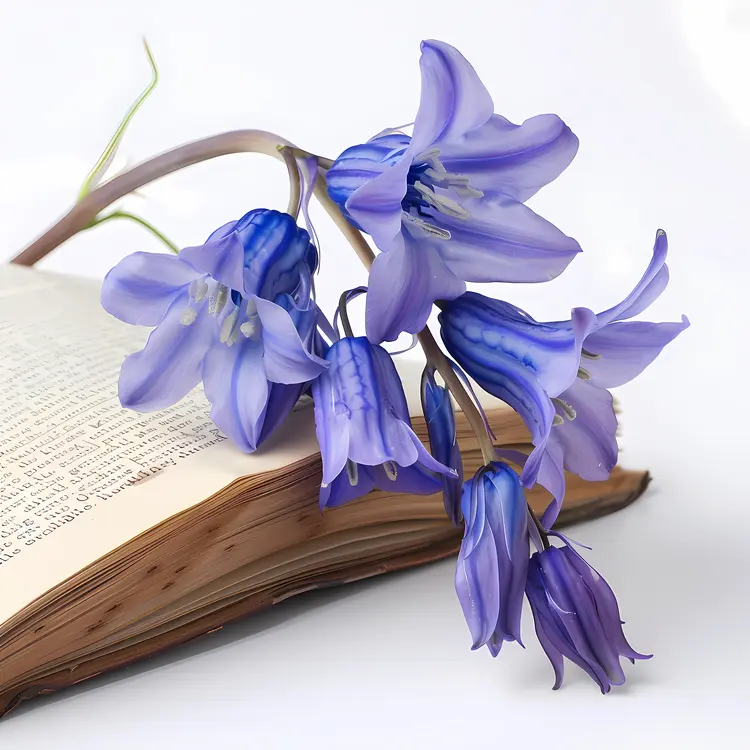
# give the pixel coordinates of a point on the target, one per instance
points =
(556, 375)
(363, 428)
(576, 615)
(235, 312)
(494, 556)
(441, 429)
(446, 205)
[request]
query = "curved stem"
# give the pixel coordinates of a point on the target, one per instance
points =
(84, 212)
(442, 364)
(138, 220)
(295, 183)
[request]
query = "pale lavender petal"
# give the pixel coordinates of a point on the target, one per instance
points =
(286, 358)
(478, 587)
(375, 206)
(589, 441)
(140, 288)
(517, 160)
(453, 99)
(222, 258)
(626, 349)
(331, 427)
(404, 283)
(650, 286)
(503, 240)
(170, 364)
(552, 478)
(237, 388)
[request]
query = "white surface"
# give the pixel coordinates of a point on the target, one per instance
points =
(658, 94)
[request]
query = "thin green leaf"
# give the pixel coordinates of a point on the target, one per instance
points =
(138, 220)
(97, 173)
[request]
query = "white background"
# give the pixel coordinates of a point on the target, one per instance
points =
(658, 93)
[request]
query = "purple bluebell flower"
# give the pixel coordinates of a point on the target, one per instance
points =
(494, 556)
(576, 616)
(235, 312)
(446, 204)
(556, 375)
(363, 427)
(441, 430)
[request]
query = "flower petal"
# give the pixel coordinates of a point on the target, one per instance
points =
(503, 240)
(404, 282)
(589, 441)
(626, 349)
(516, 160)
(506, 378)
(342, 491)
(286, 358)
(331, 429)
(650, 286)
(411, 480)
(236, 385)
(140, 288)
(222, 258)
(375, 206)
(453, 99)
(170, 364)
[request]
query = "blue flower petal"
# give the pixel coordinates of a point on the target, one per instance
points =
(141, 287)
(503, 240)
(404, 282)
(236, 385)
(222, 258)
(453, 101)
(170, 364)
(287, 360)
(626, 349)
(516, 160)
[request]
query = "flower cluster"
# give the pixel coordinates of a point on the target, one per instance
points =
(444, 204)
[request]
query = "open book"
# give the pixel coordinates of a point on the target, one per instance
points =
(123, 533)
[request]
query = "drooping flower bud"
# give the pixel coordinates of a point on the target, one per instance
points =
(441, 429)
(494, 556)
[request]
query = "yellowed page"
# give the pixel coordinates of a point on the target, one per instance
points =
(79, 475)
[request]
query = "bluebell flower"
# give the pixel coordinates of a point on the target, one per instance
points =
(494, 556)
(235, 312)
(556, 375)
(576, 616)
(363, 428)
(446, 205)
(441, 430)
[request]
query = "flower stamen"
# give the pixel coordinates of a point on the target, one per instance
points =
(391, 470)
(566, 408)
(352, 472)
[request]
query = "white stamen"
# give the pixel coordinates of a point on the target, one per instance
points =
(584, 374)
(557, 421)
(198, 289)
(251, 328)
(391, 470)
(568, 410)
(188, 316)
(425, 226)
(252, 308)
(352, 471)
(218, 300)
(441, 202)
(589, 355)
(467, 191)
(227, 327)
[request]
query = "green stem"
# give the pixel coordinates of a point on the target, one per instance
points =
(101, 166)
(138, 220)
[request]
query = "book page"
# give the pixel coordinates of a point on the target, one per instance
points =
(79, 475)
